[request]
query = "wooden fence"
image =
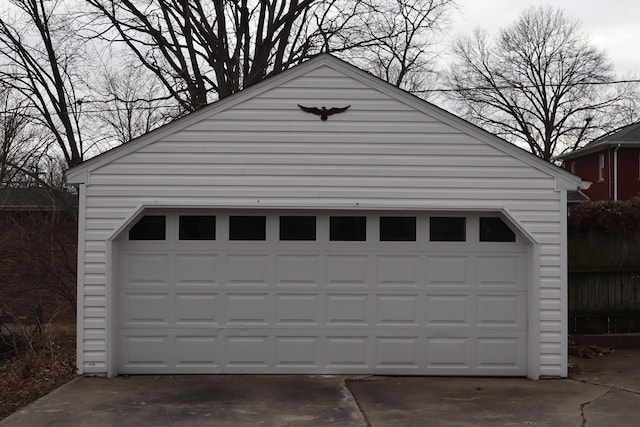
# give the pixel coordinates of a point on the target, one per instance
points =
(604, 283)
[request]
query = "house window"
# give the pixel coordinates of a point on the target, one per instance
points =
(601, 168)
(348, 228)
(247, 228)
(397, 228)
(297, 228)
(494, 229)
(447, 229)
(149, 227)
(197, 227)
(573, 168)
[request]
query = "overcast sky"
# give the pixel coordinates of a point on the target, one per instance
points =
(612, 25)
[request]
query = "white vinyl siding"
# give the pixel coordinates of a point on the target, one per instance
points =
(381, 154)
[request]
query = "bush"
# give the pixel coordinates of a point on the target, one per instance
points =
(607, 217)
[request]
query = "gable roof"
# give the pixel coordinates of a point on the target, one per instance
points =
(564, 180)
(626, 136)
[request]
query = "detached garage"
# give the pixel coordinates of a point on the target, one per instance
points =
(254, 236)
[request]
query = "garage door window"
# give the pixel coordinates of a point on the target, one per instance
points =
(149, 227)
(197, 227)
(397, 228)
(447, 229)
(493, 229)
(348, 228)
(247, 228)
(297, 228)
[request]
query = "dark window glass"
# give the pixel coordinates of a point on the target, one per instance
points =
(149, 227)
(348, 228)
(297, 228)
(197, 227)
(494, 229)
(397, 228)
(247, 228)
(447, 229)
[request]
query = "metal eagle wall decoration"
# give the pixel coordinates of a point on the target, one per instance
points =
(323, 112)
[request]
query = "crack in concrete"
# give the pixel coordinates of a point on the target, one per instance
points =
(608, 385)
(355, 399)
(585, 404)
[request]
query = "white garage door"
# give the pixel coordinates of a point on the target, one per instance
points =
(322, 293)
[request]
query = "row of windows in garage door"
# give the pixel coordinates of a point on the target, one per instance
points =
(304, 228)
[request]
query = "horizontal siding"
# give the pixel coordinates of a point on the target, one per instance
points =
(379, 154)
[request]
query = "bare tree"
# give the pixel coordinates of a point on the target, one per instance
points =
(129, 105)
(13, 138)
(23, 147)
(39, 61)
(406, 32)
(214, 48)
(540, 82)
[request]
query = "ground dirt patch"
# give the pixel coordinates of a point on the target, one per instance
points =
(577, 352)
(34, 373)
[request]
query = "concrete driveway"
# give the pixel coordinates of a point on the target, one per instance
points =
(606, 393)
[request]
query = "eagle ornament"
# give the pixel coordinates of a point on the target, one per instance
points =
(323, 112)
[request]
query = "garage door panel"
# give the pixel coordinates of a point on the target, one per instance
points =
(247, 351)
(247, 270)
(398, 310)
(397, 352)
(248, 309)
(145, 309)
(196, 352)
(298, 310)
(499, 353)
(197, 270)
(449, 310)
(295, 352)
(501, 271)
(349, 270)
(450, 353)
(399, 271)
(145, 351)
(501, 311)
(345, 309)
(450, 271)
(298, 270)
(146, 270)
(196, 309)
(347, 351)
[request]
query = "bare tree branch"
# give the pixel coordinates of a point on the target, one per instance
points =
(536, 83)
(38, 62)
(210, 49)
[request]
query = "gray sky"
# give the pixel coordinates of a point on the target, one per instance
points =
(612, 25)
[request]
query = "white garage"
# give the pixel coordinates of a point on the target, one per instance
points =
(253, 237)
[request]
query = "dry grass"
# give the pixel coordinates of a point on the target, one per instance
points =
(33, 371)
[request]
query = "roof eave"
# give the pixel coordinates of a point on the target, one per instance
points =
(594, 148)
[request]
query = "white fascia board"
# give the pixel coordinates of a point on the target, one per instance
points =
(76, 176)
(568, 184)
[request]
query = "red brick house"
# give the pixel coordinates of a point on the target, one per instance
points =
(38, 233)
(611, 163)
